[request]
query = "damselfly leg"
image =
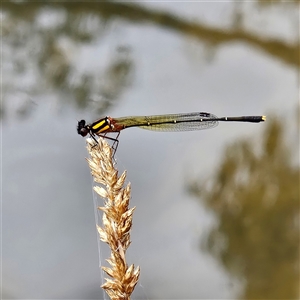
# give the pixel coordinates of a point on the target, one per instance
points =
(114, 145)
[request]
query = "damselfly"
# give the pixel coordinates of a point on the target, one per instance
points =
(172, 122)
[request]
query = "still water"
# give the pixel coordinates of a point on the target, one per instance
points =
(63, 63)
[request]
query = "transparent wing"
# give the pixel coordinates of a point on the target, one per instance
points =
(171, 122)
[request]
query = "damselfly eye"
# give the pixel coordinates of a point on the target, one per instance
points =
(82, 129)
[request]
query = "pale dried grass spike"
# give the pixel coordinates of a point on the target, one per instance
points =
(117, 219)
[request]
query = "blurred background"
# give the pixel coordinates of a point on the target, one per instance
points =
(217, 211)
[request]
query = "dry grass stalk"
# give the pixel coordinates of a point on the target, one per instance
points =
(117, 220)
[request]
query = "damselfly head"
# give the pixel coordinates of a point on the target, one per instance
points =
(82, 129)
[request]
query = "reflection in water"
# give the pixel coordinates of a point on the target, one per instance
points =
(255, 198)
(41, 42)
(43, 49)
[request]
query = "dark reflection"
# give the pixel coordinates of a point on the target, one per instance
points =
(264, 3)
(255, 198)
(45, 52)
(41, 57)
